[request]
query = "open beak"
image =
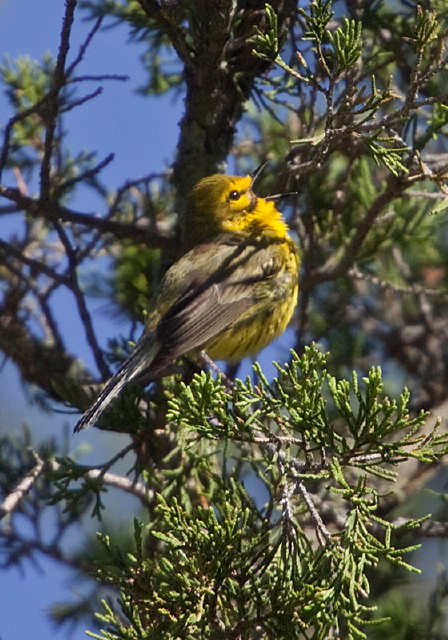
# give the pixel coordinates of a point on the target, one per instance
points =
(277, 196)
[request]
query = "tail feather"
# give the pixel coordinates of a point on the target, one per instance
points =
(139, 360)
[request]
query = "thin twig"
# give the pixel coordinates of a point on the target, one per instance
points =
(171, 27)
(141, 491)
(59, 79)
(118, 456)
(13, 499)
(53, 211)
(76, 103)
(84, 46)
(100, 78)
(81, 302)
(35, 265)
(50, 320)
(337, 266)
(227, 382)
(415, 289)
(322, 532)
(10, 125)
(88, 174)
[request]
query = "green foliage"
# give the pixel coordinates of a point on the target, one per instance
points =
(391, 157)
(287, 574)
(427, 28)
(263, 506)
(136, 279)
(375, 99)
(347, 44)
(266, 44)
(303, 401)
(78, 491)
(316, 19)
(28, 83)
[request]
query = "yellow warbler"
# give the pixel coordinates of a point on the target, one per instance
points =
(231, 294)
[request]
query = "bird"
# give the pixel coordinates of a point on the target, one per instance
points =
(232, 292)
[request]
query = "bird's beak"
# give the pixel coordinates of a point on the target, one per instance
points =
(257, 172)
(279, 196)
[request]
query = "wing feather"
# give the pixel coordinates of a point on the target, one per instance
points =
(212, 303)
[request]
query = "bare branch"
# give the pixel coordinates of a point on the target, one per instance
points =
(52, 211)
(36, 265)
(137, 489)
(414, 289)
(86, 175)
(141, 491)
(59, 80)
(321, 530)
(84, 46)
(12, 500)
(338, 265)
(81, 302)
(39, 363)
(9, 128)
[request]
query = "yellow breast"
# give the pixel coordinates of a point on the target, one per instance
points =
(267, 319)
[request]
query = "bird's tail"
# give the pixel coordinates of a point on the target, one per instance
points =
(139, 360)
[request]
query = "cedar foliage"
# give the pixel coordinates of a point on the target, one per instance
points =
(269, 508)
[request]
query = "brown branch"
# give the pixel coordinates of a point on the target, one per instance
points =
(84, 46)
(38, 362)
(49, 321)
(100, 78)
(141, 491)
(81, 303)
(85, 175)
(76, 103)
(36, 265)
(13, 499)
(218, 85)
(52, 211)
(338, 265)
(52, 110)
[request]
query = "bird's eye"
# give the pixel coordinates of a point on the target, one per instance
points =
(234, 195)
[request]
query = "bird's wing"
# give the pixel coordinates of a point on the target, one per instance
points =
(213, 286)
(214, 298)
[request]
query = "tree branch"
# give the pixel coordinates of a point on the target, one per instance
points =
(52, 105)
(25, 485)
(52, 211)
(39, 363)
(141, 491)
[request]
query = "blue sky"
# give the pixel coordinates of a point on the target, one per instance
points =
(142, 132)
